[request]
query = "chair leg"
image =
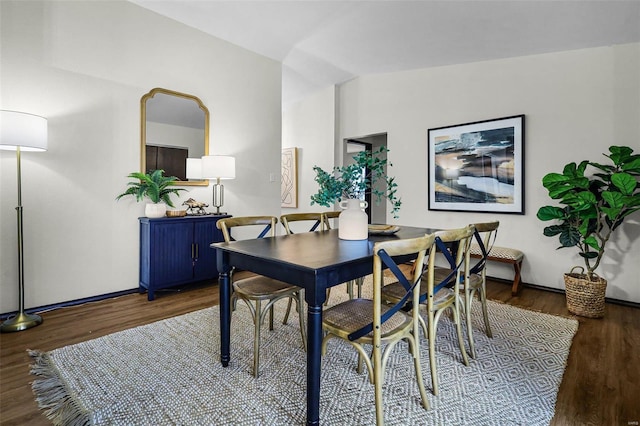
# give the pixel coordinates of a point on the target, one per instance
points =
(485, 313)
(456, 319)
(257, 319)
(468, 300)
(271, 318)
(300, 306)
(377, 383)
(286, 315)
(326, 301)
(432, 353)
(414, 348)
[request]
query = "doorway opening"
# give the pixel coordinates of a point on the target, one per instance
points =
(375, 213)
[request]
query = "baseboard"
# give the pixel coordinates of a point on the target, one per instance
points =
(77, 302)
(561, 291)
(69, 303)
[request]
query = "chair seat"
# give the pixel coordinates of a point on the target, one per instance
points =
(406, 268)
(260, 288)
(440, 274)
(395, 291)
(347, 317)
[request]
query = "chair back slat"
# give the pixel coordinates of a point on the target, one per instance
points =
(328, 216)
(454, 244)
(268, 224)
(316, 219)
(490, 231)
(383, 252)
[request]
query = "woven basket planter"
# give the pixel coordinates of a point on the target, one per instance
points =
(585, 297)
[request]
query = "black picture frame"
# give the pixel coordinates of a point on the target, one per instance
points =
(477, 167)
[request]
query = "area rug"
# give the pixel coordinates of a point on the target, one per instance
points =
(169, 373)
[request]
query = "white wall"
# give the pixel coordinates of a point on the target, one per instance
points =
(310, 127)
(576, 104)
(85, 66)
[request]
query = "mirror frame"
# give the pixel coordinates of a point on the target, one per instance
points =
(143, 130)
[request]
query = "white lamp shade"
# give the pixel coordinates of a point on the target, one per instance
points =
(194, 168)
(19, 129)
(218, 167)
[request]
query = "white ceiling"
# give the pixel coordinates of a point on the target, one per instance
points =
(322, 43)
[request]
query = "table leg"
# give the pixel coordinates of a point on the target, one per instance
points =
(314, 362)
(224, 285)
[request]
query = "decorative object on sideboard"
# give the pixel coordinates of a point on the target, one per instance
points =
(20, 131)
(195, 208)
(154, 186)
(368, 173)
(594, 207)
(218, 167)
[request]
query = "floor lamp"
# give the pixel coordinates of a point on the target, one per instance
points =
(20, 131)
(218, 167)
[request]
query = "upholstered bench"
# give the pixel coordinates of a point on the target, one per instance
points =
(504, 255)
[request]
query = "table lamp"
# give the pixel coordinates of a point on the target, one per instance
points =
(20, 131)
(218, 167)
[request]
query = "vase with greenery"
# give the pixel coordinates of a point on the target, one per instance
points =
(347, 185)
(154, 186)
(593, 205)
(351, 182)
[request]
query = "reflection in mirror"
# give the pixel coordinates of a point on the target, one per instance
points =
(174, 127)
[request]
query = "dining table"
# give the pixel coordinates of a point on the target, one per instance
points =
(314, 261)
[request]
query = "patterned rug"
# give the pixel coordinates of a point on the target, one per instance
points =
(169, 373)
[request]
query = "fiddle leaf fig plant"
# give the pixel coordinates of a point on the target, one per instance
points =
(354, 180)
(594, 205)
(153, 185)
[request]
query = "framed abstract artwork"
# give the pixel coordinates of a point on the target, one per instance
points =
(289, 178)
(477, 167)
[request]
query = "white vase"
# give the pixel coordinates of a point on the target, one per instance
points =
(155, 210)
(354, 223)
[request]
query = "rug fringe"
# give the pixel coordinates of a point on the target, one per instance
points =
(52, 394)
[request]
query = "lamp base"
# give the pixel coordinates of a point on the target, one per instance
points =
(21, 321)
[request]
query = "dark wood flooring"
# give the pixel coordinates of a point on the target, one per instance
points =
(601, 384)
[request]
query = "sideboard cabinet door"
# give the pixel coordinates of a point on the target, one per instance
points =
(176, 251)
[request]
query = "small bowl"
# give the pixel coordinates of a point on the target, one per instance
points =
(176, 213)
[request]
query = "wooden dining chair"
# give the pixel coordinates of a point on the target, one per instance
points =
(334, 215)
(476, 280)
(313, 221)
(440, 293)
(373, 323)
(257, 289)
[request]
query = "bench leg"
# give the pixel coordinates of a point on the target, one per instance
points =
(516, 280)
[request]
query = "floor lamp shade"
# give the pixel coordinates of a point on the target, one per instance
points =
(218, 167)
(20, 131)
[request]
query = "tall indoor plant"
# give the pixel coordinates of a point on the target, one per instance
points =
(154, 186)
(593, 207)
(348, 184)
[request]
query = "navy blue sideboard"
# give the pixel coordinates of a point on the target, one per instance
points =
(176, 251)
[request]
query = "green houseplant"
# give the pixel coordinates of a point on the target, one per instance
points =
(593, 207)
(350, 182)
(154, 186)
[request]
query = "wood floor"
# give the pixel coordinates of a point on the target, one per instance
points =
(601, 384)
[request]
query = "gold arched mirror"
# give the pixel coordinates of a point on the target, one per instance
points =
(174, 126)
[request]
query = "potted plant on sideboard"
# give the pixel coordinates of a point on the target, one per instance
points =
(348, 184)
(594, 206)
(154, 186)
